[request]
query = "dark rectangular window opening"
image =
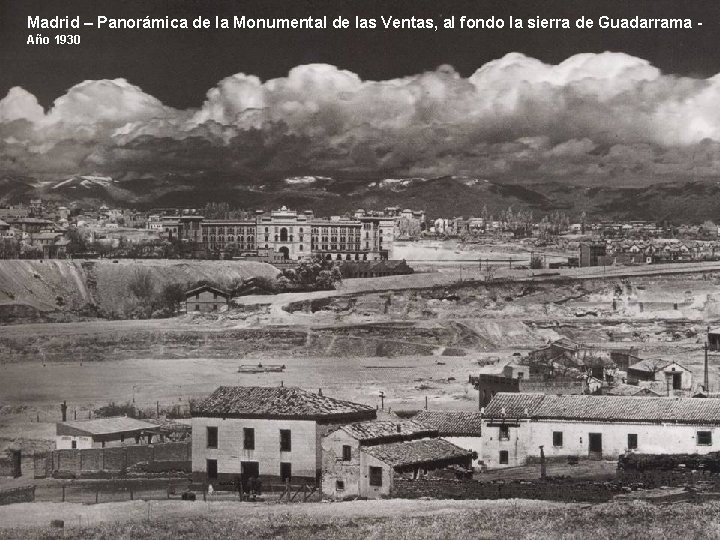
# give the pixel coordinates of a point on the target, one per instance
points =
(339, 485)
(704, 438)
(632, 441)
(212, 469)
(376, 476)
(285, 440)
(212, 437)
(347, 452)
(285, 471)
(249, 438)
(504, 433)
(504, 457)
(558, 439)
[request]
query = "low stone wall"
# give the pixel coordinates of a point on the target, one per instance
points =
(17, 495)
(656, 470)
(79, 462)
(566, 491)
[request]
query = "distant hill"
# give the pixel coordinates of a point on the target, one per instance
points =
(445, 196)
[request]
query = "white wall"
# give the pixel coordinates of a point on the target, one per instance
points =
(474, 444)
(64, 442)
(524, 441)
(304, 455)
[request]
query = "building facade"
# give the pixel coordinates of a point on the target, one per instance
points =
(271, 433)
(515, 426)
(205, 299)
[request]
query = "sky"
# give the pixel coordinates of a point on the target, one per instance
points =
(501, 103)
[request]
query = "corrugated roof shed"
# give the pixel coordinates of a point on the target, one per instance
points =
(420, 452)
(368, 431)
(452, 423)
(605, 408)
(106, 426)
(277, 402)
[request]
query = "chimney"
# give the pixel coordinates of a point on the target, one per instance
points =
(63, 410)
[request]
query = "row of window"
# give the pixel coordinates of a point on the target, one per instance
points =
(704, 438)
(212, 469)
(249, 439)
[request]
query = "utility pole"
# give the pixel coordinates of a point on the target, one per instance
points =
(707, 374)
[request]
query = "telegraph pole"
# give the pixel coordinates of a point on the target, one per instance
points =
(707, 374)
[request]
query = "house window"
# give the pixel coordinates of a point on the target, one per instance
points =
(504, 433)
(347, 452)
(212, 437)
(285, 471)
(704, 438)
(197, 307)
(285, 440)
(249, 438)
(73, 445)
(503, 457)
(376, 476)
(558, 439)
(632, 441)
(339, 485)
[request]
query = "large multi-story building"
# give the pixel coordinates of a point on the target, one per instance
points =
(295, 235)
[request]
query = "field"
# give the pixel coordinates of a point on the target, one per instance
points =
(397, 519)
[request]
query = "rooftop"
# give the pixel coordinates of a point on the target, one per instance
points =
(278, 402)
(604, 408)
(417, 452)
(105, 426)
(451, 423)
(368, 431)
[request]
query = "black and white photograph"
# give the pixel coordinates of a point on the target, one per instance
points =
(342, 269)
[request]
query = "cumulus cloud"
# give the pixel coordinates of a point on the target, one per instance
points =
(590, 115)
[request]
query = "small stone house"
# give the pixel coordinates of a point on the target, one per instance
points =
(206, 299)
(345, 472)
(102, 432)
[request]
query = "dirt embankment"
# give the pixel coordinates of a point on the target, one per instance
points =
(38, 288)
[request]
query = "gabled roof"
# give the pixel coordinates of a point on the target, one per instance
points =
(385, 429)
(653, 365)
(210, 288)
(278, 402)
(424, 451)
(604, 408)
(451, 423)
(106, 426)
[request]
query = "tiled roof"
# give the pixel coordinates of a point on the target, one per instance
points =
(206, 288)
(630, 390)
(650, 365)
(104, 426)
(605, 408)
(417, 452)
(277, 402)
(451, 423)
(367, 431)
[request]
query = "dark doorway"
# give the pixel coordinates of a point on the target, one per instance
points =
(250, 469)
(595, 445)
(212, 469)
(677, 381)
(286, 253)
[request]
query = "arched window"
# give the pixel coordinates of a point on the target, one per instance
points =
(283, 234)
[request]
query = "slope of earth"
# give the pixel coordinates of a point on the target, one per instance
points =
(69, 285)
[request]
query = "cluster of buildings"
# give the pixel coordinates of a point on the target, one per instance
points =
(284, 434)
(628, 252)
(564, 367)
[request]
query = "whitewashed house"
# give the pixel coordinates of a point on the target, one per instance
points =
(462, 428)
(269, 432)
(516, 425)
